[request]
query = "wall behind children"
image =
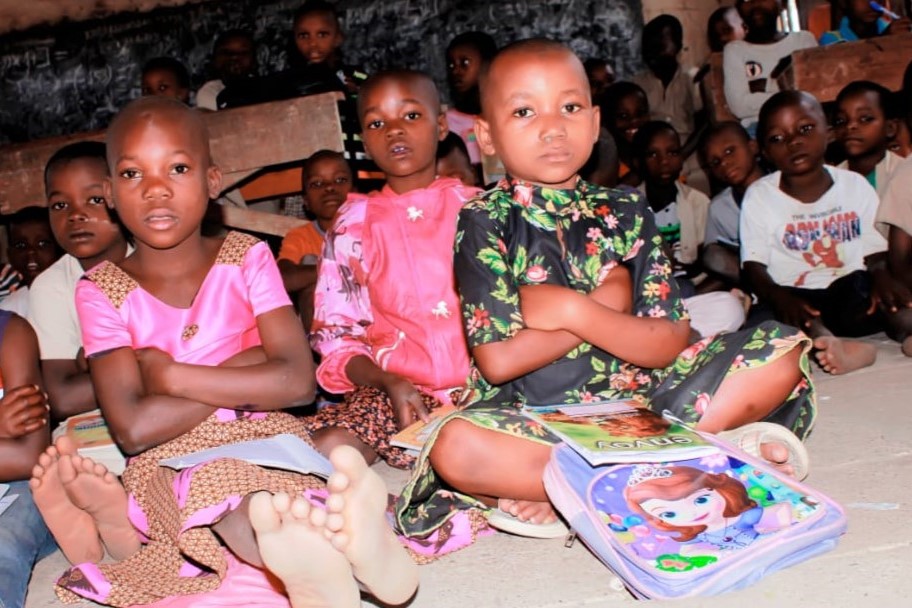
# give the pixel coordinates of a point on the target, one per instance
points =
(73, 76)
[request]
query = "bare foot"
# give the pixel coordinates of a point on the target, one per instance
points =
(92, 488)
(73, 529)
(907, 346)
(531, 511)
(840, 356)
(299, 554)
(777, 455)
(356, 516)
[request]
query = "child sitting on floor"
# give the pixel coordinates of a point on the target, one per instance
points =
(31, 250)
(166, 76)
(865, 122)
(567, 297)
(326, 180)
(680, 215)
(89, 233)
(809, 248)
(385, 321)
(730, 156)
(624, 108)
(160, 331)
(748, 64)
(24, 422)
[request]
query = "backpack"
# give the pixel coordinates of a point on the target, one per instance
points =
(646, 521)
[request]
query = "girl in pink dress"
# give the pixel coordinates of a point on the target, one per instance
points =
(160, 331)
(386, 318)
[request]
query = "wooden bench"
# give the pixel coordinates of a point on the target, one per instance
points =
(824, 71)
(244, 141)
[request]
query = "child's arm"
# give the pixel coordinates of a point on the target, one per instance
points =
(899, 256)
(889, 293)
(789, 308)
(23, 409)
(69, 386)
(404, 397)
(295, 276)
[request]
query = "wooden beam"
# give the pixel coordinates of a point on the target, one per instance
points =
(243, 140)
(259, 221)
(824, 71)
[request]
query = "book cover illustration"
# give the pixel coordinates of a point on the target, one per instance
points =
(89, 430)
(618, 431)
(414, 436)
(681, 516)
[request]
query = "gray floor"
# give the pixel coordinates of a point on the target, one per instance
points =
(861, 456)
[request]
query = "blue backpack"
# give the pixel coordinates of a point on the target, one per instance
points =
(694, 527)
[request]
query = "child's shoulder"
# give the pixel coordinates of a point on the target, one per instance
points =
(64, 272)
(233, 249)
(111, 280)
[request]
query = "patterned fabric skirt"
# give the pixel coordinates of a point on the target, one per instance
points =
(426, 503)
(175, 510)
(367, 414)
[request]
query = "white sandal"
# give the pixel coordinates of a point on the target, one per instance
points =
(505, 522)
(751, 436)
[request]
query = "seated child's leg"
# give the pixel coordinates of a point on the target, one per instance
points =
(494, 465)
(24, 539)
(298, 552)
(73, 529)
(356, 515)
(329, 438)
(91, 487)
(845, 305)
(723, 262)
(899, 328)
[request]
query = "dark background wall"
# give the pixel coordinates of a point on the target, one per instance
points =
(74, 76)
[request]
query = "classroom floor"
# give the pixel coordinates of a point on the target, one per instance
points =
(861, 454)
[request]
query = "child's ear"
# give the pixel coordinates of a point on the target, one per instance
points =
(891, 128)
(107, 188)
(214, 181)
(443, 127)
(597, 122)
(483, 135)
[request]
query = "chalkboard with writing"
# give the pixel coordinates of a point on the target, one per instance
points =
(74, 76)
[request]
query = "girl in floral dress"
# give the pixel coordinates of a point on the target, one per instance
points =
(540, 261)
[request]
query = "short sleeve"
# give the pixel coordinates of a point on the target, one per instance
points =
(52, 311)
(488, 290)
(292, 247)
(755, 237)
(868, 201)
(103, 327)
(264, 283)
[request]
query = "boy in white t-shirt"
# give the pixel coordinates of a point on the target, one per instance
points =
(808, 243)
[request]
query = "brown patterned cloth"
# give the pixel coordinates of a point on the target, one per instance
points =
(153, 573)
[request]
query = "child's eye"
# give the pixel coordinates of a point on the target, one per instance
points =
(774, 139)
(96, 200)
(339, 181)
(129, 174)
(57, 206)
(729, 151)
(19, 245)
(375, 124)
(522, 112)
(181, 169)
(805, 129)
(303, 35)
(572, 108)
(866, 118)
(840, 121)
(45, 244)
(413, 115)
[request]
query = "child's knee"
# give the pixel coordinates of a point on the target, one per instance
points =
(453, 447)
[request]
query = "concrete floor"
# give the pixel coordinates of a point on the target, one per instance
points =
(861, 455)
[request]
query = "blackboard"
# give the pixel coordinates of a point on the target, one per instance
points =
(74, 76)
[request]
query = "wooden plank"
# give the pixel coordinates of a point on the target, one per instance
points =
(271, 183)
(242, 140)
(824, 71)
(259, 221)
(712, 90)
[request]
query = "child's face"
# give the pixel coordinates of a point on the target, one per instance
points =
(661, 51)
(795, 141)
(902, 142)
(700, 508)
(538, 116)
(164, 83)
(761, 14)
(457, 165)
(861, 126)
(463, 67)
(77, 205)
(631, 113)
(31, 248)
(234, 58)
(600, 78)
(327, 182)
(730, 158)
(861, 11)
(663, 157)
(401, 124)
(731, 27)
(161, 176)
(317, 36)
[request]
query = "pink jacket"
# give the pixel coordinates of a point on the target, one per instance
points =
(386, 289)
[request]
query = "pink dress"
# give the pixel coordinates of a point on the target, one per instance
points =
(116, 312)
(386, 291)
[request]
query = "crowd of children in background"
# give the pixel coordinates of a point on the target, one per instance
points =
(587, 214)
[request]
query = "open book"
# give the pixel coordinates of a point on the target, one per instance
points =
(620, 431)
(90, 434)
(416, 434)
(286, 451)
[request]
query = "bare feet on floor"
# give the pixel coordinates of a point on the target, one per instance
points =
(92, 488)
(298, 552)
(73, 529)
(356, 517)
(531, 511)
(841, 356)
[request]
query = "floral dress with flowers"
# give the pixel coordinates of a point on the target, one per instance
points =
(518, 234)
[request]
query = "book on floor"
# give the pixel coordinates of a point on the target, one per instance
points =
(620, 431)
(285, 451)
(6, 501)
(93, 440)
(414, 436)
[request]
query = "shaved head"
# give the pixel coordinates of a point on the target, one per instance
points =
(415, 80)
(155, 109)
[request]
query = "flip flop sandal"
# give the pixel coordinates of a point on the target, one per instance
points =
(506, 522)
(751, 436)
